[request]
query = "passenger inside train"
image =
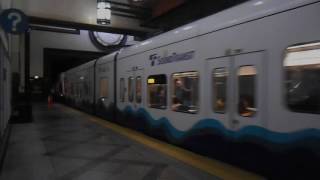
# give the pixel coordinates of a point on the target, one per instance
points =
(185, 93)
(247, 91)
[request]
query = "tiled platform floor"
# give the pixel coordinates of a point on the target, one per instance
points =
(61, 144)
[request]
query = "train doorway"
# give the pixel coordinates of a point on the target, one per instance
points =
(237, 89)
(135, 87)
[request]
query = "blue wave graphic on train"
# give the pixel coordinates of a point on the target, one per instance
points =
(253, 131)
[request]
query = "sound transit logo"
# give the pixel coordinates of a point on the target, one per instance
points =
(175, 57)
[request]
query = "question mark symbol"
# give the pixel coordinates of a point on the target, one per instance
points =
(16, 21)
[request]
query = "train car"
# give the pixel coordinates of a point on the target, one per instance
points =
(79, 86)
(104, 87)
(240, 86)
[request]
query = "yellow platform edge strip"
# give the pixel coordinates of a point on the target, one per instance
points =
(211, 166)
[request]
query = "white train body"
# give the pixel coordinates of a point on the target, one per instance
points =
(261, 35)
(265, 40)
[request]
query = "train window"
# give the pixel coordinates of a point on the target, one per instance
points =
(138, 89)
(157, 91)
(122, 90)
(104, 87)
(246, 89)
(86, 88)
(219, 77)
(185, 92)
(76, 91)
(130, 89)
(302, 78)
(79, 90)
(72, 89)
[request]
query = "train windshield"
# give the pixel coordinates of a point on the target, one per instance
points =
(302, 78)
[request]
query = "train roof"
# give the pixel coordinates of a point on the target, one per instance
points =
(81, 67)
(107, 58)
(242, 13)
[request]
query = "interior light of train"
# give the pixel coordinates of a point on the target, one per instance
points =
(151, 81)
(302, 58)
(189, 74)
(103, 12)
(247, 70)
(304, 46)
(36, 77)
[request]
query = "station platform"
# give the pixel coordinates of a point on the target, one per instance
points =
(65, 144)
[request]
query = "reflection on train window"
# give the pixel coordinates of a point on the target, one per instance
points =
(302, 78)
(246, 87)
(130, 89)
(85, 86)
(138, 89)
(185, 92)
(157, 91)
(78, 90)
(220, 76)
(72, 89)
(104, 87)
(122, 90)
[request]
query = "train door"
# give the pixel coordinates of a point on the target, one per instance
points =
(249, 90)
(135, 88)
(104, 86)
(139, 75)
(219, 70)
(236, 84)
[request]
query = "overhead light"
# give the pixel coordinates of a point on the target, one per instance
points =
(258, 3)
(103, 12)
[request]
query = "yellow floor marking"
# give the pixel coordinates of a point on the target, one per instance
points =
(211, 166)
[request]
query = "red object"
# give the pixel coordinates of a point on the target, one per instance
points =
(50, 101)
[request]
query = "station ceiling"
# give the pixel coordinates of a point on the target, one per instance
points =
(142, 18)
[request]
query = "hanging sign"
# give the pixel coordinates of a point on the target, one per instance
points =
(14, 21)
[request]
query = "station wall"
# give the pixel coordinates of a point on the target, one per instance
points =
(42, 39)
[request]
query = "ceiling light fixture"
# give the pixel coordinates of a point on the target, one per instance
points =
(103, 12)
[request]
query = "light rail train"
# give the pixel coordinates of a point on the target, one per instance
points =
(242, 86)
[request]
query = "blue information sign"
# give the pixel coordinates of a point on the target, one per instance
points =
(14, 21)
